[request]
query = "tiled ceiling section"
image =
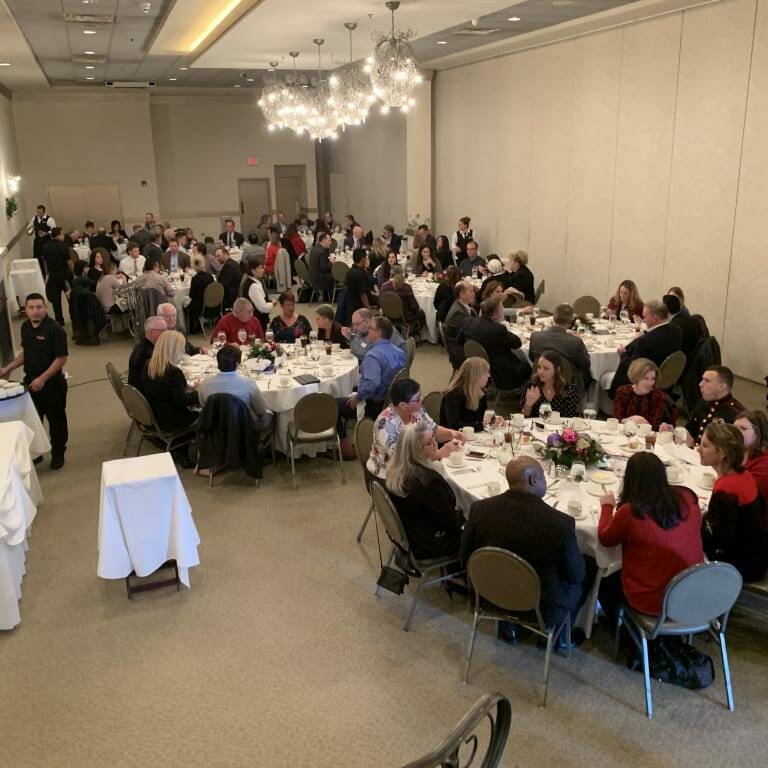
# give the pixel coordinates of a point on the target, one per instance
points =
(92, 52)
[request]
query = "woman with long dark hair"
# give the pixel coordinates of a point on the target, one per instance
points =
(548, 385)
(444, 295)
(443, 252)
(657, 526)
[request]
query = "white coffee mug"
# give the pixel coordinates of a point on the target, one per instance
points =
(468, 432)
(554, 417)
(663, 438)
(579, 424)
(285, 381)
(673, 474)
(518, 419)
(707, 478)
(456, 459)
(612, 425)
(643, 429)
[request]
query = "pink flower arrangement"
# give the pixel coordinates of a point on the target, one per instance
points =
(570, 435)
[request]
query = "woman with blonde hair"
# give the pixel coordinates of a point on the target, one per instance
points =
(641, 401)
(733, 526)
(423, 499)
(412, 313)
(627, 297)
(164, 384)
(519, 276)
(464, 402)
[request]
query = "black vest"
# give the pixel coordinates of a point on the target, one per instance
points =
(462, 238)
(41, 222)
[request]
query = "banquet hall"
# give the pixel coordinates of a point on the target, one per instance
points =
(271, 282)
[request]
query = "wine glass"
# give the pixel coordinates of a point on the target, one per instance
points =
(242, 335)
(535, 311)
(545, 411)
(221, 337)
(590, 412)
(680, 435)
(624, 316)
(312, 337)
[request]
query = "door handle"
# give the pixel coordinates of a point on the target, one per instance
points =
(242, 208)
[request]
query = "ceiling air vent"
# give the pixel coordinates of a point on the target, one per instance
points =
(475, 31)
(129, 84)
(89, 18)
(89, 59)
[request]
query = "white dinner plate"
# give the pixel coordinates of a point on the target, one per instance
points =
(602, 477)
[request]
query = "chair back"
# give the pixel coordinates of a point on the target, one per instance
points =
(585, 304)
(391, 306)
(316, 412)
(701, 594)
(431, 404)
(138, 408)
(410, 351)
(671, 369)
(302, 273)
(389, 516)
(475, 349)
(539, 292)
(115, 380)
(403, 373)
(364, 443)
(213, 295)
(504, 579)
(339, 271)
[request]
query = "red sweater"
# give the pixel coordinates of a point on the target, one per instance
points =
(230, 325)
(651, 556)
(758, 468)
(271, 257)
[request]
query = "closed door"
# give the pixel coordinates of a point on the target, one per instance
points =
(255, 201)
(71, 207)
(291, 189)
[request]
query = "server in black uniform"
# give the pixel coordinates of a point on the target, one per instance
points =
(43, 355)
(460, 239)
(59, 266)
(40, 228)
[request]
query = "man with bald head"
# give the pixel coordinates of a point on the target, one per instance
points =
(520, 521)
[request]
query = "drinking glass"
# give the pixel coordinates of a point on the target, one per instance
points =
(488, 418)
(603, 312)
(680, 435)
(242, 335)
(535, 311)
(269, 336)
(545, 411)
(590, 412)
(624, 316)
(221, 337)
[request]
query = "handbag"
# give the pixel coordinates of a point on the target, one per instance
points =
(390, 578)
(674, 661)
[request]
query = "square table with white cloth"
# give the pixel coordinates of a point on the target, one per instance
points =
(23, 409)
(471, 482)
(20, 496)
(24, 277)
(144, 518)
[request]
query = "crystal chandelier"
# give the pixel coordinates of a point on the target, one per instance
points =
(271, 95)
(393, 67)
(321, 120)
(351, 93)
(291, 101)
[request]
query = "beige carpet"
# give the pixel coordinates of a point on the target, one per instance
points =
(281, 656)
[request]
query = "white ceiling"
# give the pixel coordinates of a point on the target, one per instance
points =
(24, 72)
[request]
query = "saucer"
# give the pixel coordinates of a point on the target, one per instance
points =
(456, 466)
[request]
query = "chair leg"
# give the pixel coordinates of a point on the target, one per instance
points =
(389, 562)
(128, 438)
(365, 523)
(141, 442)
(547, 660)
(646, 676)
(341, 463)
(470, 648)
(416, 597)
(617, 636)
(726, 671)
(293, 465)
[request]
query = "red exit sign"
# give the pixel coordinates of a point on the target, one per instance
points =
(253, 161)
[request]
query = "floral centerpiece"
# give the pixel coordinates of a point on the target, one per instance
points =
(264, 350)
(565, 447)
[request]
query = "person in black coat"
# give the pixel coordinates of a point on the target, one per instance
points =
(229, 276)
(143, 349)
(230, 237)
(328, 329)
(464, 402)
(319, 265)
(520, 521)
(391, 240)
(690, 329)
(519, 276)
(58, 266)
(423, 499)
(444, 295)
(657, 344)
(508, 370)
(197, 285)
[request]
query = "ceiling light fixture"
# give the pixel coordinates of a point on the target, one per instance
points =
(237, 85)
(173, 79)
(5, 63)
(183, 69)
(223, 13)
(89, 78)
(89, 53)
(442, 42)
(14, 182)
(514, 18)
(89, 66)
(351, 93)
(89, 31)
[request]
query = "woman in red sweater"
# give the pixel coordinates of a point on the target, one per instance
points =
(640, 401)
(659, 529)
(753, 426)
(733, 526)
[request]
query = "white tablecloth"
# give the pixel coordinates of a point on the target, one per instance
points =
(181, 292)
(144, 518)
(83, 252)
(24, 277)
(425, 290)
(19, 497)
(23, 409)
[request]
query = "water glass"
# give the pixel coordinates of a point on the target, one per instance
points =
(269, 336)
(624, 316)
(590, 412)
(545, 411)
(221, 337)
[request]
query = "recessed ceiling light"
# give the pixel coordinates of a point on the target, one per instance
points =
(89, 53)
(183, 69)
(89, 31)
(561, 3)
(237, 85)
(173, 78)
(513, 18)
(442, 42)
(5, 63)
(270, 70)
(89, 78)
(89, 66)
(250, 79)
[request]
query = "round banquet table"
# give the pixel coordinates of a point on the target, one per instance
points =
(282, 400)
(181, 292)
(470, 483)
(23, 409)
(83, 251)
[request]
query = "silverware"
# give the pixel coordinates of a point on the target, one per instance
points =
(554, 506)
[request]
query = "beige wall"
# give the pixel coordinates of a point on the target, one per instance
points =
(9, 166)
(636, 152)
(371, 158)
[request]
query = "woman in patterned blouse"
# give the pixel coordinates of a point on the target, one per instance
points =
(548, 385)
(289, 325)
(640, 401)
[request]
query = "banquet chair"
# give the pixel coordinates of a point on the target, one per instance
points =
(339, 271)
(314, 421)
(697, 600)
(671, 369)
(410, 351)
(213, 300)
(429, 572)
(143, 416)
(539, 291)
(494, 707)
(116, 380)
(391, 306)
(403, 373)
(475, 349)
(302, 273)
(363, 444)
(450, 346)
(586, 304)
(507, 588)
(431, 404)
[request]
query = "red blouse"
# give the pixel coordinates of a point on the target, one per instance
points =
(271, 257)
(299, 246)
(652, 557)
(758, 468)
(655, 407)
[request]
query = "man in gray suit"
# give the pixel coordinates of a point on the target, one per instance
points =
(558, 339)
(461, 309)
(174, 258)
(320, 266)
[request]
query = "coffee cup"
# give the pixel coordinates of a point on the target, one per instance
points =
(579, 424)
(346, 353)
(673, 474)
(493, 488)
(518, 419)
(612, 425)
(554, 417)
(643, 429)
(663, 438)
(335, 348)
(574, 508)
(707, 478)
(630, 428)
(456, 459)
(468, 432)
(327, 370)
(285, 381)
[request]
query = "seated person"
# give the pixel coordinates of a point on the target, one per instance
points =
(507, 369)
(358, 334)
(327, 328)
(132, 264)
(548, 385)
(412, 313)
(717, 402)
(520, 521)
(239, 319)
(380, 364)
(252, 288)
(289, 325)
(658, 527)
(640, 401)
(462, 308)
(519, 275)
(688, 326)
(733, 525)
(473, 262)
(626, 299)
(383, 272)
(153, 278)
(421, 495)
(142, 351)
(753, 426)
(97, 262)
(197, 285)
(405, 409)
(107, 287)
(426, 262)
(81, 279)
(169, 314)
(229, 381)
(464, 403)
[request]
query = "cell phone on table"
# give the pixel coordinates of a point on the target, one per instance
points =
(475, 455)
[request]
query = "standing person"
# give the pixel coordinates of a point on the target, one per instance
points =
(319, 264)
(59, 267)
(44, 355)
(460, 238)
(230, 237)
(40, 228)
